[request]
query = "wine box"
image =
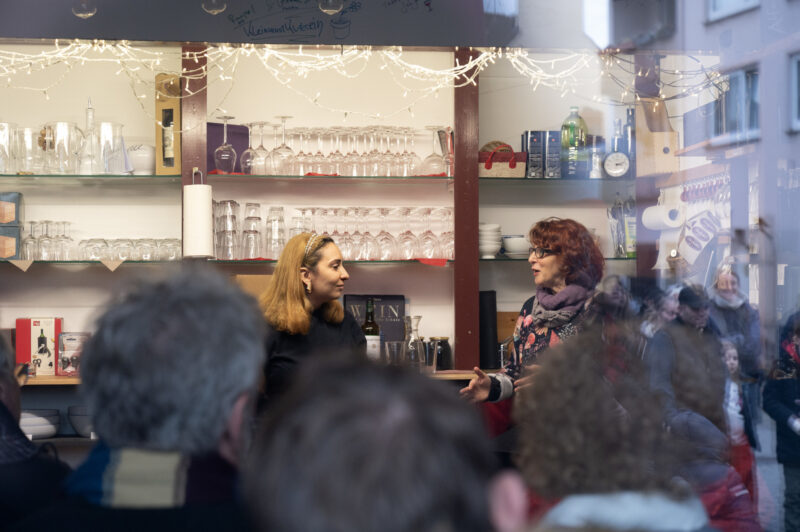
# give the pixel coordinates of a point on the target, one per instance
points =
(389, 313)
(552, 160)
(36, 343)
(10, 236)
(10, 208)
(168, 124)
(533, 142)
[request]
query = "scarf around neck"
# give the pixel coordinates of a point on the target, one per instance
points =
(554, 310)
(721, 302)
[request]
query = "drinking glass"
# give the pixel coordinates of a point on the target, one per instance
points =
(252, 223)
(251, 244)
(276, 233)
(394, 353)
(146, 249)
(297, 225)
(228, 245)
(169, 249)
(283, 156)
(433, 164)
(225, 155)
(121, 249)
(336, 157)
(95, 249)
(252, 209)
(8, 160)
(447, 236)
(30, 157)
(249, 156)
(411, 161)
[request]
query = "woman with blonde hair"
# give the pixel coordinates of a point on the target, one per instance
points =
(303, 312)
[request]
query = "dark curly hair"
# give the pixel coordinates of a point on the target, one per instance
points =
(579, 433)
(582, 260)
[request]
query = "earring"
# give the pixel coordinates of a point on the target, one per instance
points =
(308, 288)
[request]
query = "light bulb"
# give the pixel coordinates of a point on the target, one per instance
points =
(84, 8)
(214, 7)
(330, 7)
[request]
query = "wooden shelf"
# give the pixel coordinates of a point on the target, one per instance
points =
(48, 380)
(693, 174)
(458, 374)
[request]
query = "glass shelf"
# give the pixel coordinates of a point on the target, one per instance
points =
(239, 178)
(43, 179)
(558, 181)
(509, 259)
(359, 262)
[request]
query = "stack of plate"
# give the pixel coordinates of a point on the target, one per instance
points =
(40, 424)
(80, 421)
(489, 240)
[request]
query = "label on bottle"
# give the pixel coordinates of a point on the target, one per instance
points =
(630, 236)
(373, 346)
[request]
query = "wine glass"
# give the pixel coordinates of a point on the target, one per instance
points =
(263, 162)
(283, 155)
(249, 155)
(386, 242)
(429, 243)
(433, 164)
(407, 241)
(370, 250)
(411, 161)
(225, 155)
(30, 244)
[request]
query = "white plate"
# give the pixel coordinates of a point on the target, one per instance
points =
(517, 255)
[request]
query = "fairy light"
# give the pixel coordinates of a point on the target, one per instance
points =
(564, 74)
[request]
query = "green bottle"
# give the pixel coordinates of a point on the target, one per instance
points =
(574, 156)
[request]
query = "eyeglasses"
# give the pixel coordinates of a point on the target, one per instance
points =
(540, 253)
(21, 373)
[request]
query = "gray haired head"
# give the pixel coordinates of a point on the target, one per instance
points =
(168, 361)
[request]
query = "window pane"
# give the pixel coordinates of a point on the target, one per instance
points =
(752, 100)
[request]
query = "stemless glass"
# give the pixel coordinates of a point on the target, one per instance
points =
(433, 164)
(225, 154)
(249, 155)
(251, 244)
(146, 249)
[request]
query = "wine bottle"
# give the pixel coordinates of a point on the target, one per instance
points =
(372, 332)
(574, 158)
(630, 137)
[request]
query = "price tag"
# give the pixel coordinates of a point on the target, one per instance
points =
(698, 231)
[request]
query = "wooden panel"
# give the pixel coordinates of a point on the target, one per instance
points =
(255, 285)
(465, 201)
(193, 115)
(506, 321)
(52, 380)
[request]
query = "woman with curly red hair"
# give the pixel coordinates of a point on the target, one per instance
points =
(566, 265)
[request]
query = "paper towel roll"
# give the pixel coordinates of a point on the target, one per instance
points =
(198, 221)
(661, 217)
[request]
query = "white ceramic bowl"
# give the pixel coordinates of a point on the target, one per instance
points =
(488, 227)
(142, 158)
(516, 244)
(488, 251)
(40, 423)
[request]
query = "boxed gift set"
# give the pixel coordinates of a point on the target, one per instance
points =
(37, 345)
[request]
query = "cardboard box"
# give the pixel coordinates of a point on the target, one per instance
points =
(533, 142)
(168, 112)
(37, 345)
(389, 313)
(10, 237)
(552, 159)
(10, 208)
(70, 346)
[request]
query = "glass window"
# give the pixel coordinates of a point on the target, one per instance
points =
(737, 110)
(718, 9)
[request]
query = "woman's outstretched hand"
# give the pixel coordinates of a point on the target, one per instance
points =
(478, 388)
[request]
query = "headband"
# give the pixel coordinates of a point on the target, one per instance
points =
(309, 244)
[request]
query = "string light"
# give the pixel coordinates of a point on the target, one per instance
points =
(564, 74)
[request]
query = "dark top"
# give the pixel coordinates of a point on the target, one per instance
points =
(781, 396)
(30, 478)
(286, 351)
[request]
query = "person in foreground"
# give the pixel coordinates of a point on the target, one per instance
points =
(27, 473)
(605, 465)
(355, 446)
(566, 265)
(169, 378)
(303, 314)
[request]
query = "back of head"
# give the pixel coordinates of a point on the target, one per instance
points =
(169, 359)
(370, 448)
(581, 433)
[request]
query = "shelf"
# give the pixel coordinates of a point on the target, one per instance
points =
(85, 180)
(242, 179)
(360, 262)
(49, 380)
(508, 259)
(558, 181)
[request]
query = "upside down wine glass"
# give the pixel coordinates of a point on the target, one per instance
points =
(225, 155)
(283, 156)
(249, 155)
(433, 164)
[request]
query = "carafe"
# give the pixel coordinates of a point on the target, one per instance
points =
(111, 147)
(8, 163)
(413, 348)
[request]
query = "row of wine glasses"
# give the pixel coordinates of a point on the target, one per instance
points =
(51, 241)
(362, 233)
(343, 151)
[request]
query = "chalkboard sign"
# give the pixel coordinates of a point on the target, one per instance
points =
(374, 22)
